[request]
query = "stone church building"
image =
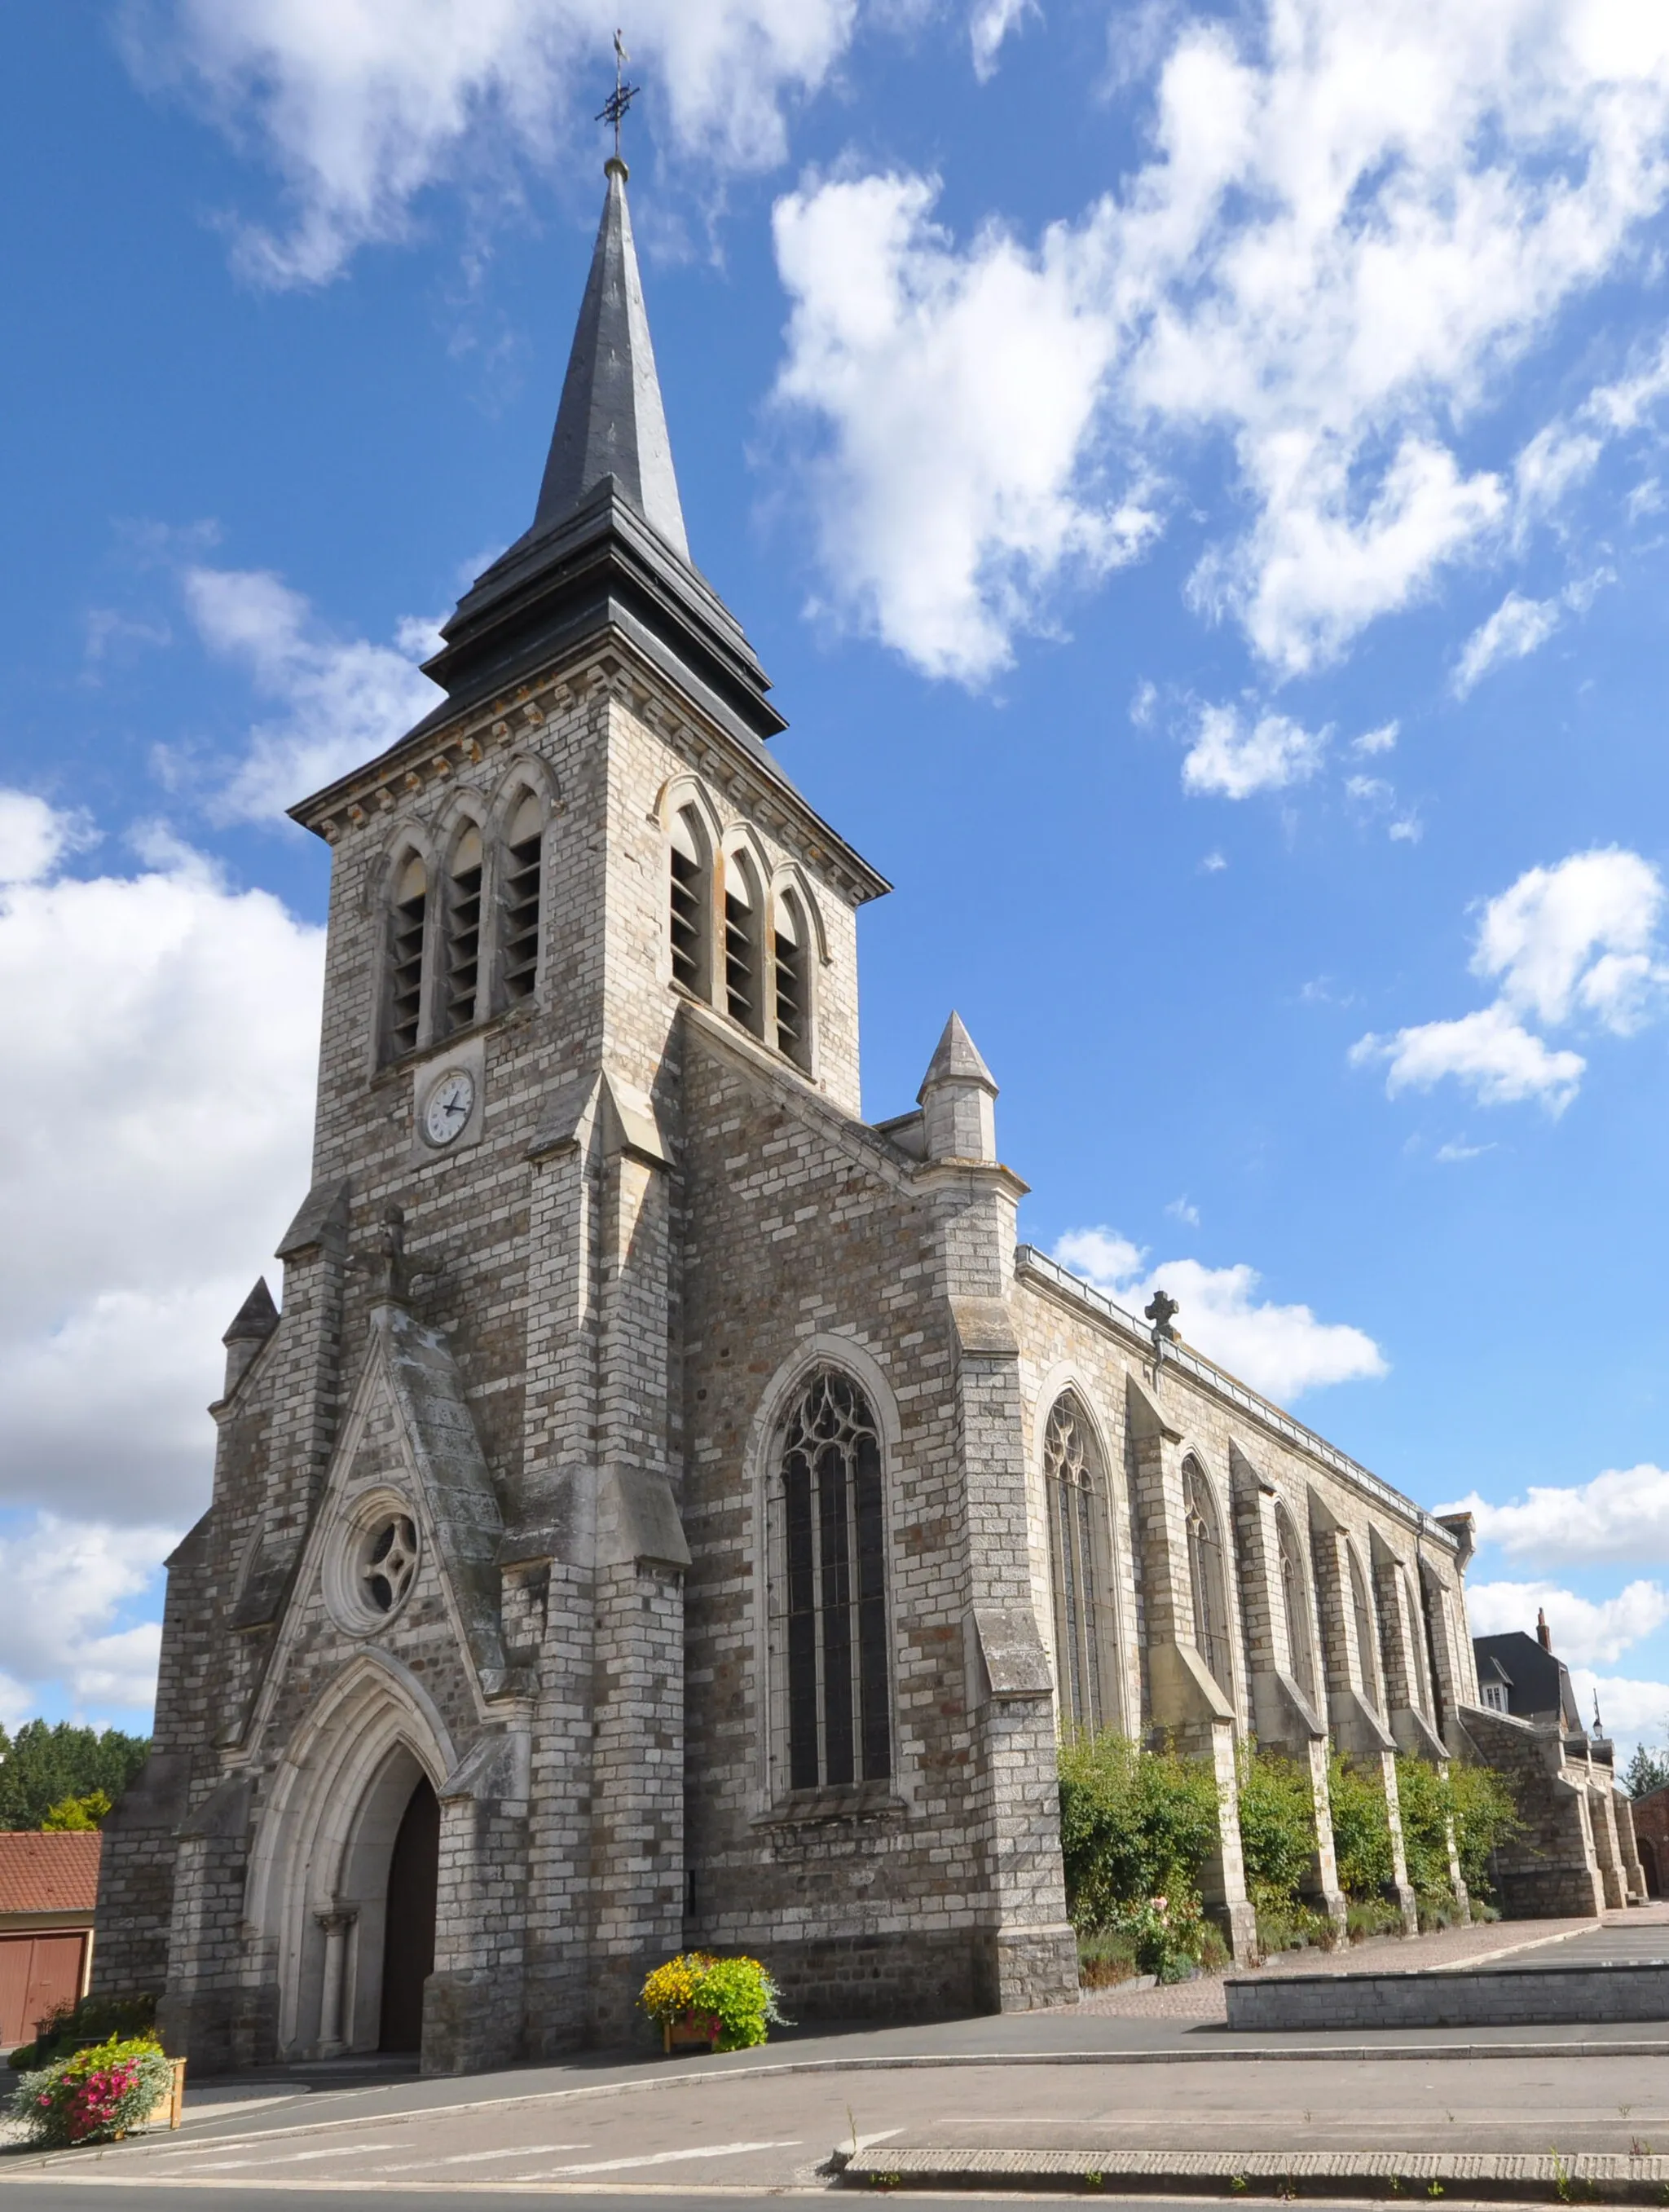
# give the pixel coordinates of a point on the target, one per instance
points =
(668, 1509)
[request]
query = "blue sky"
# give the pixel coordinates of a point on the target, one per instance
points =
(1197, 478)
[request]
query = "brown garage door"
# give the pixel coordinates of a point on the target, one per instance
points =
(38, 1973)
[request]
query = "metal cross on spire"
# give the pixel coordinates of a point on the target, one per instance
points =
(615, 107)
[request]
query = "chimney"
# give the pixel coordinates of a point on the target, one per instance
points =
(1544, 1634)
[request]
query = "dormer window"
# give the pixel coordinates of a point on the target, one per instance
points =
(406, 956)
(744, 992)
(523, 852)
(691, 902)
(462, 959)
(793, 1028)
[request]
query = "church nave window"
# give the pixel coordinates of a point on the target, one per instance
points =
(743, 984)
(793, 1028)
(691, 896)
(406, 956)
(829, 1590)
(522, 870)
(463, 930)
(1295, 1600)
(1205, 1576)
(1084, 1636)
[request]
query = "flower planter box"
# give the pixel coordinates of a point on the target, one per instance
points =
(165, 2112)
(691, 2030)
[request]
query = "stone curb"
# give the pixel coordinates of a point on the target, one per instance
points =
(1511, 2177)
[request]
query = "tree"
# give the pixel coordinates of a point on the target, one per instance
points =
(76, 1815)
(43, 1765)
(1646, 1771)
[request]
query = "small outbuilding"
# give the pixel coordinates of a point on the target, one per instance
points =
(49, 1885)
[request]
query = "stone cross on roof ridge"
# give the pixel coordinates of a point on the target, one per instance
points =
(611, 422)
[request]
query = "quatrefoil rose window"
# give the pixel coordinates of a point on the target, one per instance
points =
(388, 1562)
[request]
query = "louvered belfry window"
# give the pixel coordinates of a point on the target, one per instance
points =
(743, 997)
(1077, 1543)
(792, 1025)
(690, 896)
(830, 1595)
(463, 930)
(405, 957)
(523, 851)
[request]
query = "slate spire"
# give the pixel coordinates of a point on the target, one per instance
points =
(611, 422)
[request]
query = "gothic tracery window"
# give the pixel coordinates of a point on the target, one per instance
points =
(1205, 1576)
(1085, 1633)
(405, 956)
(520, 899)
(1294, 1599)
(1367, 1630)
(828, 1593)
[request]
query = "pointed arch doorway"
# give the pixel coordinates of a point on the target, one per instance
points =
(414, 1868)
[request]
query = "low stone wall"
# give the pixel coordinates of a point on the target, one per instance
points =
(1504, 1996)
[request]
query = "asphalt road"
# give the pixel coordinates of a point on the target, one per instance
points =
(79, 2197)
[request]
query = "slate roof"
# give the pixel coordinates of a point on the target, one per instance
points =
(49, 1873)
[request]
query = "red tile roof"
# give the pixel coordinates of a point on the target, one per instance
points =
(49, 1874)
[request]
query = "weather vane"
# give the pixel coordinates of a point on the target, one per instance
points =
(615, 107)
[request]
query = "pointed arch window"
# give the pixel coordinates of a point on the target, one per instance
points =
(830, 1634)
(523, 857)
(1295, 1602)
(463, 954)
(744, 995)
(794, 996)
(1206, 1575)
(405, 956)
(692, 903)
(1367, 1631)
(1085, 1634)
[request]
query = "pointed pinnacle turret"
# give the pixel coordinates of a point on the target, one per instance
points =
(255, 1319)
(611, 422)
(956, 1059)
(957, 1099)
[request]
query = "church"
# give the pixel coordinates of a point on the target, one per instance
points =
(669, 1510)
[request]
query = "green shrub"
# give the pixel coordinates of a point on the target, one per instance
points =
(1361, 1829)
(1106, 1958)
(1422, 1796)
(1134, 1825)
(1485, 1813)
(1293, 1927)
(92, 2020)
(1374, 1915)
(1278, 1829)
(95, 2094)
(1167, 1934)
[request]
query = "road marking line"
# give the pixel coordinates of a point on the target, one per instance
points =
(474, 2157)
(669, 2157)
(290, 2158)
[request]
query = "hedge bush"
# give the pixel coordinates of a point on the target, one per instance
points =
(1485, 1813)
(1278, 1828)
(1361, 1828)
(1135, 1825)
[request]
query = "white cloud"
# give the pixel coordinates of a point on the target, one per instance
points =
(1621, 1517)
(1456, 1148)
(1355, 220)
(1234, 756)
(34, 837)
(1213, 864)
(957, 393)
(1632, 1711)
(1492, 1055)
(164, 1028)
(991, 21)
(1514, 630)
(1578, 937)
(1183, 1209)
(1585, 1633)
(1281, 1351)
(66, 1583)
(362, 105)
(345, 700)
(1380, 740)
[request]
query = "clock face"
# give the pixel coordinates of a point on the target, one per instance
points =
(449, 1106)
